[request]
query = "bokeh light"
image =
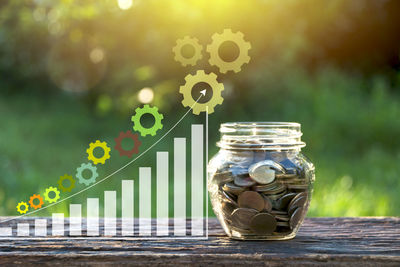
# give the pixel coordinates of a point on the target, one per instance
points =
(97, 55)
(125, 4)
(146, 95)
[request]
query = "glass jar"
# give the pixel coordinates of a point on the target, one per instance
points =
(260, 183)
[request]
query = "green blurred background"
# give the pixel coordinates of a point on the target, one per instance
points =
(72, 72)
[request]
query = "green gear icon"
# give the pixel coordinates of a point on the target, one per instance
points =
(90, 167)
(61, 183)
(56, 192)
(157, 120)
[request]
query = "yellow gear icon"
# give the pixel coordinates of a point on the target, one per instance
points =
(193, 42)
(191, 81)
(56, 194)
(238, 39)
(105, 148)
(25, 205)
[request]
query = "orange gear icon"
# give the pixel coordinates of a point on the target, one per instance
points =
(130, 135)
(38, 197)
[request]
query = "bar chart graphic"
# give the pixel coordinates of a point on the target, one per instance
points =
(150, 223)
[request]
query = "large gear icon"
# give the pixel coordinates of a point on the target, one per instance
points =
(193, 42)
(61, 183)
(191, 81)
(157, 120)
(105, 148)
(130, 135)
(90, 167)
(25, 209)
(238, 39)
(33, 205)
(55, 198)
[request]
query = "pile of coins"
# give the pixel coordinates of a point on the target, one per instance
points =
(262, 198)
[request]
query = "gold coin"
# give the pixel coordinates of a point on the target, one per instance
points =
(241, 217)
(263, 223)
(251, 200)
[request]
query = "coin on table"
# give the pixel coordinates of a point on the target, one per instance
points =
(232, 188)
(263, 223)
(244, 181)
(262, 172)
(295, 218)
(251, 200)
(284, 201)
(241, 217)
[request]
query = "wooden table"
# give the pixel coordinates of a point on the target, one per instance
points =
(333, 241)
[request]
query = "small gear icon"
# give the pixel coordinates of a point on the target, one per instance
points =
(187, 41)
(130, 135)
(157, 120)
(53, 199)
(24, 207)
(105, 148)
(191, 81)
(91, 168)
(33, 205)
(61, 183)
(238, 39)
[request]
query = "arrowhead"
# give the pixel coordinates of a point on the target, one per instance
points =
(203, 92)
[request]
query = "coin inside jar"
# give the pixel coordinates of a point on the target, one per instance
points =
(262, 173)
(232, 188)
(263, 223)
(241, 217)
(295, 218)
(252, 200)
(244, 181)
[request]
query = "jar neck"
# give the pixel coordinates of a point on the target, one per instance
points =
(265, 136)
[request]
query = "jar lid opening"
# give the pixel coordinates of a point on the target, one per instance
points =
(261, 136)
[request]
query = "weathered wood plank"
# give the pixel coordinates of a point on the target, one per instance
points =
(337, 241)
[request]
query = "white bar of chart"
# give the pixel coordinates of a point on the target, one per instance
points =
(179, 186)
(127, 208)
(162, 193)
(75, 219)
(40, 227)
(110, 213)
(144, 201)
(93, 217)
(23, 229)
(57, 224)
(142, 185)
(5, 231)
(197, 179)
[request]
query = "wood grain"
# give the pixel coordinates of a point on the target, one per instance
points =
(332, 241)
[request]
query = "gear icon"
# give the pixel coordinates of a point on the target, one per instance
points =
(90, 167)
(25, 207)
(61, 183)
(157, 120)
(191, 81)
(105, 148)
(33, 205)
(238, 39)
(130, 135)
(187, 41)
(53, 199)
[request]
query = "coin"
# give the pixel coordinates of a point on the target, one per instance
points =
(283, 202)
(263, 223)
(295, 218)
(276, 196)
(251, 200)
(275, 212)
(262, 172)
(297, 201)
(241, 217)
(276, 190)
(283, 224)
(228, 208)
(265, 187)
(282, 217)
(228, 197)
(223, 177)
(244, 181)
(232, 188)
(267, 203)
(242, 158)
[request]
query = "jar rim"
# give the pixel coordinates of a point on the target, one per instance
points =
(261, 136)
